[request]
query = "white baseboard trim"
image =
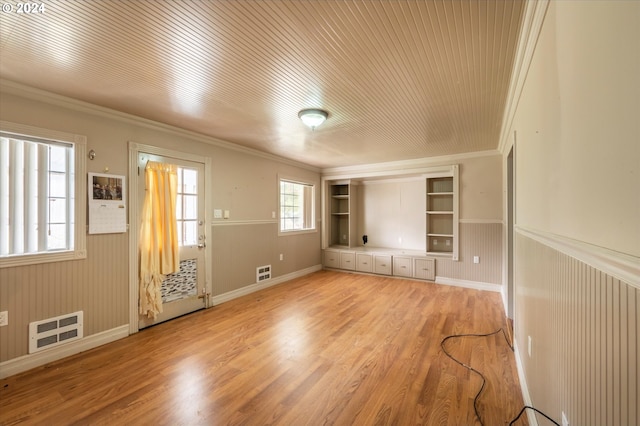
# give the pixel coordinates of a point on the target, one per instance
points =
(27, 362)
(531, 416)
(477, 285)
(252, 288)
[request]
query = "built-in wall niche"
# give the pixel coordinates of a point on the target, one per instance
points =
(391, 213)
(342, 211)
(414, 210)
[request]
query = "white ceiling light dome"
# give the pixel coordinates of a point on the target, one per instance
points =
(313, 117)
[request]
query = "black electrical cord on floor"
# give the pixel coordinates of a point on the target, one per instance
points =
(484, 381)
(534, 409)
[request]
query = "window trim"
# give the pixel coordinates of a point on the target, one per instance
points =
(79, 142)
(300, 181)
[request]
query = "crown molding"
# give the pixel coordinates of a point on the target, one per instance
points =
(404, 167)
(31, 93)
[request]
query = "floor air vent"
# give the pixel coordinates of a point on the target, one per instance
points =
(263, 273)
(52, 332)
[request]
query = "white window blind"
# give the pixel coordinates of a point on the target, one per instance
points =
(37, 196)
(43, 195)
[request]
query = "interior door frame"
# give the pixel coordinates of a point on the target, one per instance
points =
(134, 227)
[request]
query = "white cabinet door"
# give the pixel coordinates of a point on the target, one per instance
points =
(332, 258)
(348, 260)
(424, 269)
(364, 262)
(402, 266)
(382, 264)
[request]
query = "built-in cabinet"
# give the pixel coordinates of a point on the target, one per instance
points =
(400, 264)
(439, 199)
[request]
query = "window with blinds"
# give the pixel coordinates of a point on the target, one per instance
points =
(38, 199)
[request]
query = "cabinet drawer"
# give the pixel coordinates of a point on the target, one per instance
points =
(332, 258)
(402, 266)
(382, 264)
(424, 269)
(348, 260)
(364, 262)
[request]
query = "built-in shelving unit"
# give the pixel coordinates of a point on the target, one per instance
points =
(421, 202)
(342, 212)
(442, 215)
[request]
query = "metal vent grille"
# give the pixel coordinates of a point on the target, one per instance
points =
(263, 273)
(52, 332)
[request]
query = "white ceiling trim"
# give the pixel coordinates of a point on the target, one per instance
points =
(405, 166)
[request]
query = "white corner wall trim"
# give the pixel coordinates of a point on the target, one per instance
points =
(476, 285)
(252, 288)
(530, 31)
(27, 362)
(526, 397)
(619, 265)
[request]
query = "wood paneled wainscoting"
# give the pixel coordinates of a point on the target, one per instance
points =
(327, 348)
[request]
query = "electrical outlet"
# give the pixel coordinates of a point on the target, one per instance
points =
(476, 259)
(281, 256)
(529, 347)
(4, 318)
(565, 422)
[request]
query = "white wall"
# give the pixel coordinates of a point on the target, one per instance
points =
(392, 213)
(577, 242)
(578, 127)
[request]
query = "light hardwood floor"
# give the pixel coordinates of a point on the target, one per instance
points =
(329, 348)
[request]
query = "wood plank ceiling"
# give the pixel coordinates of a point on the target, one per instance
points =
(400, 79)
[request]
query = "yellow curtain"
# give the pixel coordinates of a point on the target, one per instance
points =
(158, 234)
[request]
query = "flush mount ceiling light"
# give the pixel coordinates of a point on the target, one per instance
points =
(313, 117)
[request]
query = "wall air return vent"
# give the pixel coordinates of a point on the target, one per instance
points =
(263, 273)
(52, 332)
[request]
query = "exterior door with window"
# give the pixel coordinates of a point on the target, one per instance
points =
(183, 291)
